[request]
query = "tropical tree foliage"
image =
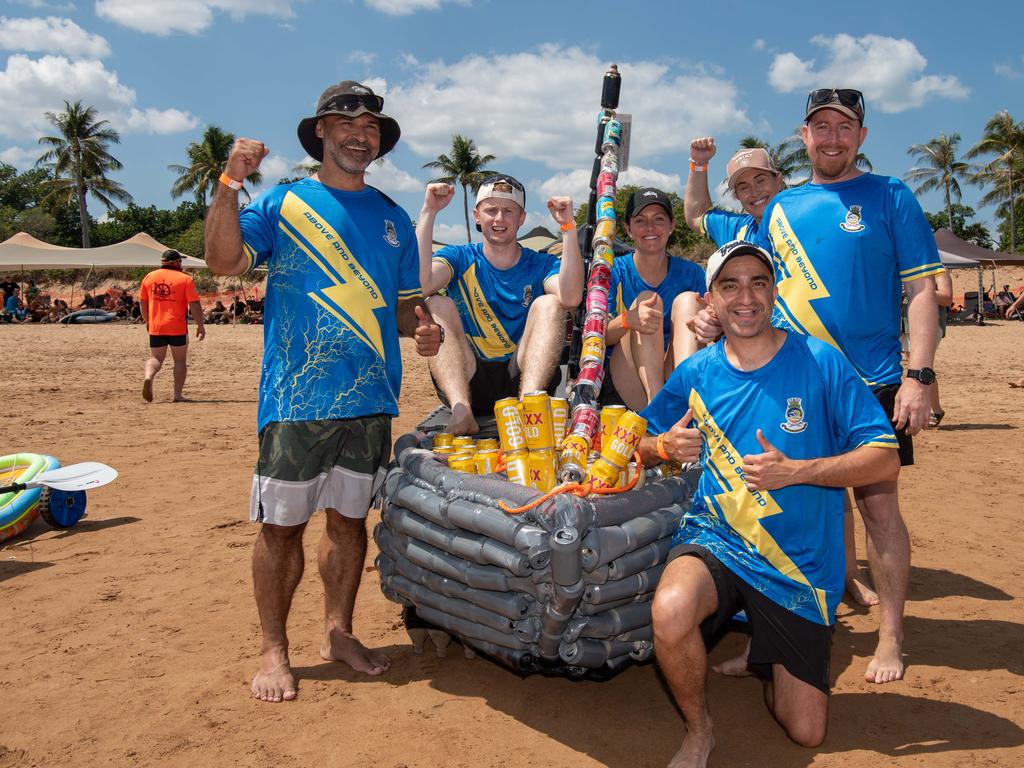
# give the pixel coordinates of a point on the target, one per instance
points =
(682, 237)
(466, 166)
(963, 225)
(1003, 175)
(939, 169)
(207, 159)
(79, 160)
(790, 157)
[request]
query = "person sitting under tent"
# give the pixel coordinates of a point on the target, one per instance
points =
(218, 313)
(14, 307)
(651, 297)
(502, 299)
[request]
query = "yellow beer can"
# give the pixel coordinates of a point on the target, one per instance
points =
(486, 461)
(510, 425)
(624, 439)
(559, 418)
(517, 466)
(442, 439)
(610, 416)
(542, 470)
(444, 450)
(540, 435)
(463, 462)
(604, 474)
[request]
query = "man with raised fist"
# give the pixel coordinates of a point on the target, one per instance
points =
(342, 284)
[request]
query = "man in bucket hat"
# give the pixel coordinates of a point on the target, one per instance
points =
(343, 283)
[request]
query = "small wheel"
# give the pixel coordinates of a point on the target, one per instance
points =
(61, 509)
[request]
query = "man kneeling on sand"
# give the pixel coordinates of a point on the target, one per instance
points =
(782, 423)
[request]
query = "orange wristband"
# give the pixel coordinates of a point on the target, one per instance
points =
(227, 181)
(625, 322)
(569, 226)
(694, 166)
(660, 445)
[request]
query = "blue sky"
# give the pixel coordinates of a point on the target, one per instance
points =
(521, 78)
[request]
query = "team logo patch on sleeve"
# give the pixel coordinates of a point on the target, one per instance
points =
(794, 422)
(527, 295)
(852, 222)
(390, 233)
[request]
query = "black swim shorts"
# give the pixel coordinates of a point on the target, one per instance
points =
(887, 397)
(167, 341)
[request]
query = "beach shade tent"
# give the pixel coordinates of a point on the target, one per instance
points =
(22, 252)
(954, 250)
(539, 239)
(620, 247)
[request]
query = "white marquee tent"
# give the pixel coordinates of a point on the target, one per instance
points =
(22, 252)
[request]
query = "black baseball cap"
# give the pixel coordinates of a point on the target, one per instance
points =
(351, 99)
(170, 256)
(648, 196)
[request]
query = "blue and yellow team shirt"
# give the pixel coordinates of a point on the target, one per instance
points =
(809, 403)
(725, 226)
(841, 252)
(338, 263)
(493, 303)
(682, 275)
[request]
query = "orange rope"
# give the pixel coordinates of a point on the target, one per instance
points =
(576, 489)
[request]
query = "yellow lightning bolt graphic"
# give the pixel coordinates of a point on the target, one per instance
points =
(354, 294)
(800, 283)
(745, 509)
(494, 342)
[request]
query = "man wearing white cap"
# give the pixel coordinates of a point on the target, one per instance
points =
(753, 179)
(781, 423)
(505, 313)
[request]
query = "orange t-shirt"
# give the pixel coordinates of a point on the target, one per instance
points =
(168, 292)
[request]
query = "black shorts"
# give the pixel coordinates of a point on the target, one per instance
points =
(491, 382)
(167, 341)
(777, 636)
(887, 397)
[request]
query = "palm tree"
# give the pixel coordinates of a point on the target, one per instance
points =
(79, 160)
(465, 166)
(207, 160)
(939, 169)
(1003, 138)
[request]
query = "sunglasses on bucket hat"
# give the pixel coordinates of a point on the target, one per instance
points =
(352, 102)
(850, 98)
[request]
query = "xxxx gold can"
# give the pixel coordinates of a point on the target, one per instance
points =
(610, 416)
(542, 470)
(510, 425)
(444, 450)
(559, 418)
(463, 462)
(593, 348)
(624, 439)
(540, 434)
(487, 444)
(486, 461)
(572, 461)
(604, 474)
(517, 466)
(464, 441)
(442, 439)
(605, 230)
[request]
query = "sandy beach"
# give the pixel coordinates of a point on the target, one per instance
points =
(131, 639)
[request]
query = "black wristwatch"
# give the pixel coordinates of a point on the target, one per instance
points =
(925, 375)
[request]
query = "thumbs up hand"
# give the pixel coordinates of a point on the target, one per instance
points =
(682, 442)
(769, 470)
(650, 314)
(428, 335)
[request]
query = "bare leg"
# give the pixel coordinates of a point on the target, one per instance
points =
(540, 347)
(686, 596)
(277, 563)
(453, 366)
(647, 351)
(180, 356)
(856, 585)
(684, 341)
(153, 366)
(801, 709)
(1018, 383)
(889, 556)
(624, 373)
(736, 666)
(340, 559)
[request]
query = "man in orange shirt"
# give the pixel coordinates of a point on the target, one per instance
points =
(165, 296)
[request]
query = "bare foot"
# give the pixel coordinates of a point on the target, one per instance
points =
(275, 680)
(695, 749)
(887, 664)
(736, 666)
(147, 390)
(861, 593)
(345, 647)
(1019, 384)
(181, 399)
(462, 421)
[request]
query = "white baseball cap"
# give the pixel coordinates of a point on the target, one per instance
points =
(731, 250)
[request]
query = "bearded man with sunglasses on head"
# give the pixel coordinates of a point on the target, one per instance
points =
(342, 285)
(506, 310)
(845, 245)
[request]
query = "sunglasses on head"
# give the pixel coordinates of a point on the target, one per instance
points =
(502, 183)
(848, 97)
(350, 102)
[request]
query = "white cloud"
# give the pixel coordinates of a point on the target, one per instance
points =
(361, 57)
(1008, 70)
(389, 178)
(576, 183)
(406, 7)
(545, 106)
(40, 5)
(760, 44)
(276, 167)
(20, 157)
(51, 35)
(889, 70)
(451, 233)
(165, 17)
(31, 87)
